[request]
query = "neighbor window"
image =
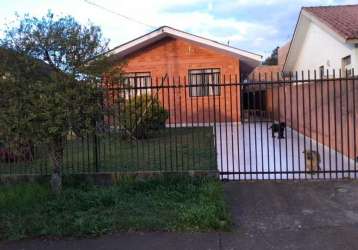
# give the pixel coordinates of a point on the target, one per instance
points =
(204, 82)
(321, 71)
(136, 83)
(346, 66)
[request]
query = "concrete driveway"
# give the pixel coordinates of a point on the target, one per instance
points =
(249, 152)
(266, 215)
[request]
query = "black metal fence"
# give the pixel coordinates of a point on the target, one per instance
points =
(297, 126)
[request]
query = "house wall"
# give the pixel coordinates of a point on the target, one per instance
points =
(271, 72)
(266, 73)
(282, 53)
(175, 57)
(318, 47)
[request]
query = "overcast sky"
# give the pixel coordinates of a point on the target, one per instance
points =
(255, 25)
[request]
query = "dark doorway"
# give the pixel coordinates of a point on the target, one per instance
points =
(253, 104)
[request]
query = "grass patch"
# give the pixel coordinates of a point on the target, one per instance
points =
(171, 149)
(170, 204)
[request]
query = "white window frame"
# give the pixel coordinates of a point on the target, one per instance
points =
(204, 82)
(139, 81)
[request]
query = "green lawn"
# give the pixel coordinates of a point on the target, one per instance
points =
(171, 204)
(171, 149)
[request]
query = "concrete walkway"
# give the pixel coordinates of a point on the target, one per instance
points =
(309, 215)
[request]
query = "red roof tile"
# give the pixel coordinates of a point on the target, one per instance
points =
(343, 19)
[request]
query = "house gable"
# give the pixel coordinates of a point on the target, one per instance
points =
(314, 44)
(175, 56)
(249, 60)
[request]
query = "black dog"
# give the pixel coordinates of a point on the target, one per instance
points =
(278, 128)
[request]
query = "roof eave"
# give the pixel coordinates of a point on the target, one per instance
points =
(324, 26)
(138, 43)
(352, 40)
(284, 68)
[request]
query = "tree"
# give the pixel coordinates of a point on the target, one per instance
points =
(49, 82)
(273, 59)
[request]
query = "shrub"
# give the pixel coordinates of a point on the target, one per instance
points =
(16, 150)
(143, 114)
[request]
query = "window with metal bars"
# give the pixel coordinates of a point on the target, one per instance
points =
(347, 66)
(204, 82)
(135, 83)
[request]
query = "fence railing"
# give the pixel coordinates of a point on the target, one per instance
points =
(300, 126)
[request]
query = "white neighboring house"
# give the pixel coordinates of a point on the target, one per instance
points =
(325, 38)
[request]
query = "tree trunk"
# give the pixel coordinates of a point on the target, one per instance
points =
(56, 157)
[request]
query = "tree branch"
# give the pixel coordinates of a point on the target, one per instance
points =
(48, 58)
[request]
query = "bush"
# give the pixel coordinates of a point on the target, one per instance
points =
(143, 114)
(16, 150)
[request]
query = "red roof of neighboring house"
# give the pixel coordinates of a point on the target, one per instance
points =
(342, 19)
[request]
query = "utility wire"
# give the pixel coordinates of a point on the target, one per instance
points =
(118, 14)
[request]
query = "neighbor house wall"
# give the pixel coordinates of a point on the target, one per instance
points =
(318, 47)
(174, 58)
(326, 111)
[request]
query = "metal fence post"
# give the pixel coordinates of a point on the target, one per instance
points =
(95, 151)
